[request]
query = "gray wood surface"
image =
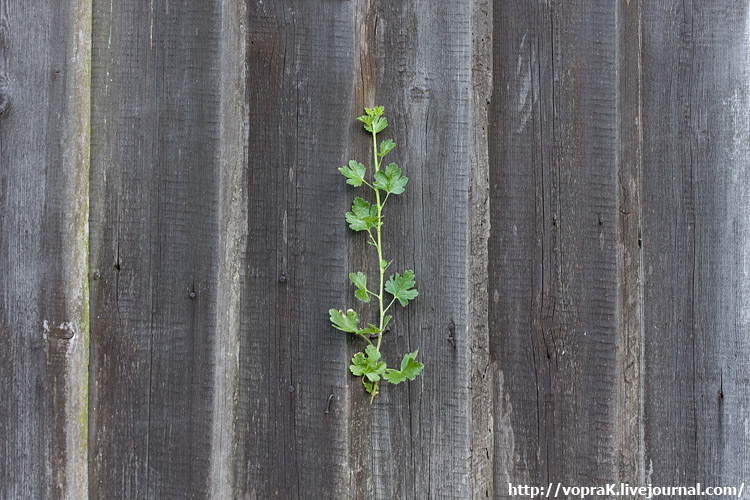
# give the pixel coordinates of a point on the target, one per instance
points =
(577, 217)
(696, 139)
(44, 146)
(155, 150)
(553, 245)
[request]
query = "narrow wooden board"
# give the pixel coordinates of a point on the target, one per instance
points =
(553, 245)
(154, 247)
(696, 174)
(44, 163)
(300, 67)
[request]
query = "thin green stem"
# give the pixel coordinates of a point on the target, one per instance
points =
(389, 305)
(386, 198)
(379, 243)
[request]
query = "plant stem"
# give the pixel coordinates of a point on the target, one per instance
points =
(379, 245)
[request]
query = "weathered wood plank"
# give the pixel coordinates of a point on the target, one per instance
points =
(583, 313)
(44, 161)
(629, 443)
(413, 442)
(154, 215)
(696, 208)
(421, 440)
(552, 250)
(232, 239)
(301, 66)
(481, 480)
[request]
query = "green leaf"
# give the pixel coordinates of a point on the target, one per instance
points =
(374, 111)
(346, 322)
(362, 295)
(368, 366)
(386, 147)
(354, 173)
(363, 215)
(410, 368)
(367, 120)
(379, 124)
(391, 179)
(372, 121)
(402, 287)
(371, 329)
(386, 319)
(372, 354)
(359, 364)
(360, 281)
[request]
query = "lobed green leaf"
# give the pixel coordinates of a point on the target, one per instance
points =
(363, 215)
(354, 173)
(410, 368)
(368, 366)
(391, 180)
(378, 125)
(360, 281)
(346, 322)
(386, 147)
(370, 330)
(402, 287)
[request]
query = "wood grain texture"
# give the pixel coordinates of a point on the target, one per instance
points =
(630, 344)
(481, 475)
(300, 67)
(695, 241)
(154, 246)
(577, 217)
(44, 163)
(421, 443)
(553, 244)
(232, 241)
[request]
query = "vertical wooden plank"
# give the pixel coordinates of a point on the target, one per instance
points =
(629, 443)
(481, 474)
(44, 161)
(300, 66)
(695, 203)
(552, 248)
(424, 59)
(232, 239)
(154, 249)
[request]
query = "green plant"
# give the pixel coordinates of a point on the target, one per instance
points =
(365, 217)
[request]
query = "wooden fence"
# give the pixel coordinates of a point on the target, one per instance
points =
(172, 236)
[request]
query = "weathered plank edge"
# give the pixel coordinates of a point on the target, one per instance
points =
(232, 224)
(481, 480)
(75, 250)
(630, 261)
